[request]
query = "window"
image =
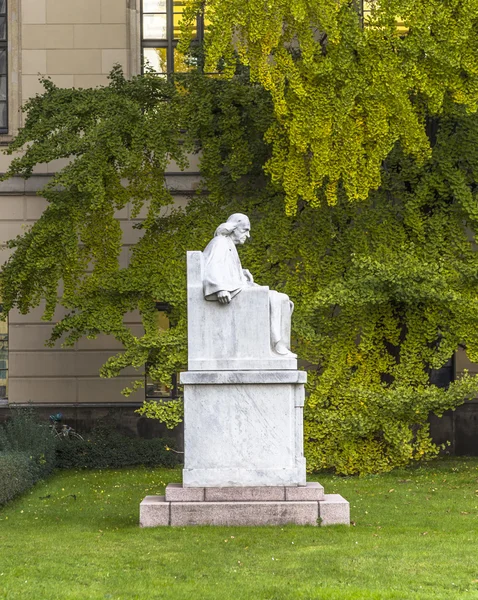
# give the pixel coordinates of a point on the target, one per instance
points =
(160, 28)
(3, 68)
(3, 360)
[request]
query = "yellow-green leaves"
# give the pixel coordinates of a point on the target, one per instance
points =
(344, 94)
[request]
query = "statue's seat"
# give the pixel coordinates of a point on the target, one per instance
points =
(233, 336)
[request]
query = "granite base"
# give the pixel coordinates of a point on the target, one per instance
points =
(247, 506)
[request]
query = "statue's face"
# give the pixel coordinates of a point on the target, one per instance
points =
(241, 232)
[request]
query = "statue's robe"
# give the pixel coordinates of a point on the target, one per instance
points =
(222, 268)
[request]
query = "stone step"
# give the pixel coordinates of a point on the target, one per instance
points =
(156, 511)
(312, 491)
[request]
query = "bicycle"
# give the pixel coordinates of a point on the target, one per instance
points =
(61, 430)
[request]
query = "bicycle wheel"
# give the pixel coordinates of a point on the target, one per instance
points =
(75, 436)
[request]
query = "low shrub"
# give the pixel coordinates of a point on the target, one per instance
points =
(27, 453)
(15, 475)
(105, 447)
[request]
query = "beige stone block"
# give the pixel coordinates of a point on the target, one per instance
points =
(100, 36)
(130, 234)
(73, 11)
(122, 214)
(107, 342)
(89, 363)
(5, 161)
(33, 11)
(35, 207)
(31, 86)
(133, 317)
(11, 208)
(40, 168)
(5, 254)
(76, 62)
(62, 81)
(462, 362)
(35, 315)
(124, 257)
(113, 11)
(114, 56)
(56, 165)
(10, 230)
(47, 36)
(90, 81)
(48, 363)
(44, 390)
(107, 390)
(193, 165)
(34, 62)
(32, 337)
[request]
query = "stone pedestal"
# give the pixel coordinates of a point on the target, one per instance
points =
(243, 428)
(243, 423)
(236, 506)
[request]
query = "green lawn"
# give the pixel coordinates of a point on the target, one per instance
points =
(77, 536)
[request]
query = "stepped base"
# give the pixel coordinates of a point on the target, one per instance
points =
(248, 506)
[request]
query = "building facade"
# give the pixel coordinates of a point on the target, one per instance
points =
(76, 43)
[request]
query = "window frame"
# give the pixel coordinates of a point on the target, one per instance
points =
(4, 46)
(170, 42)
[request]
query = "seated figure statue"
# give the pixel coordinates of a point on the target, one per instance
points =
(224, 278)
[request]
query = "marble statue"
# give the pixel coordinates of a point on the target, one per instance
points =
(224, 278)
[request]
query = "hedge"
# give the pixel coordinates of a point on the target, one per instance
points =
(27, 453)
(114, 451)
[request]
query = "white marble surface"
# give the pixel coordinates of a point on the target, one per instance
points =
(233, 377)
(233, 336)
(243, 434)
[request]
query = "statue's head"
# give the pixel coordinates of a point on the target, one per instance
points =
(237, 227)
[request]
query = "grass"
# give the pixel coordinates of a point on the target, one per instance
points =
(76, 536)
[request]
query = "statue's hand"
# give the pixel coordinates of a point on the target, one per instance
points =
(248, 275)
(223, 297)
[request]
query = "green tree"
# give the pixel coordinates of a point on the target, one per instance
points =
(365, 213)
(344, 94)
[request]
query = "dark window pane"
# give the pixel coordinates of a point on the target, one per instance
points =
(3, 6)
(3, 88)
(154, 27)
(3, 62)
(154, 6)
(3, 28)
(156, 58)
(3, 115)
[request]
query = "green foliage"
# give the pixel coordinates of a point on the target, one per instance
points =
(27, 453)
(385, 290)
(171, 412)
(106, 448)
(344, 94)
(15, 475)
